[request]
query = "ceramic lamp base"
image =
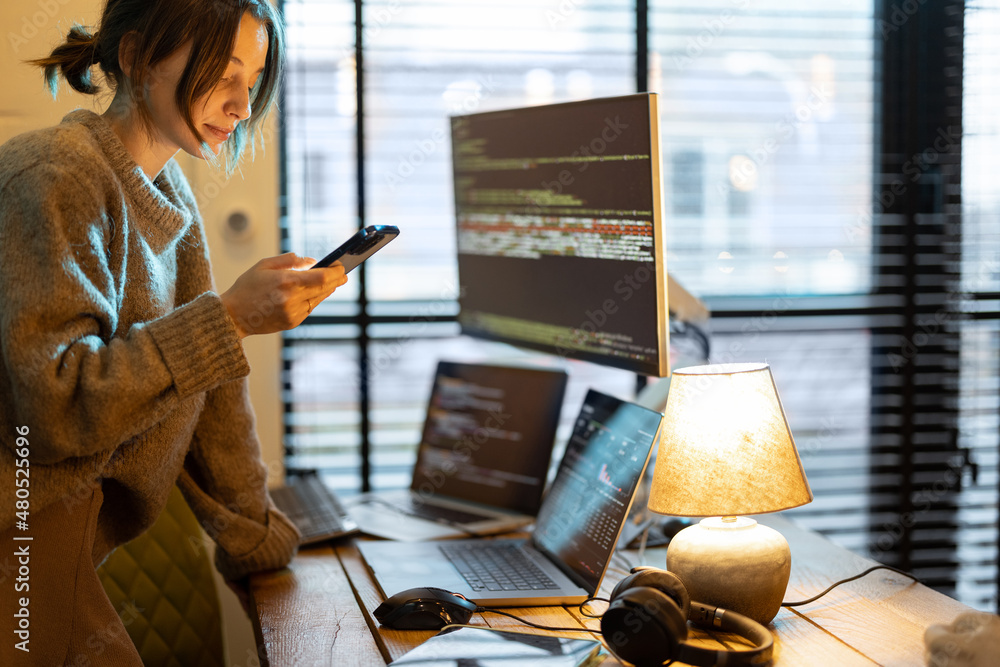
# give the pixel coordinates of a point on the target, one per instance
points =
(733, 563)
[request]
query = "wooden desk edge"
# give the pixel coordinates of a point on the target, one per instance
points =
(838, 625)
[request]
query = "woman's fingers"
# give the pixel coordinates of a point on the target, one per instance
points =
(277, 293)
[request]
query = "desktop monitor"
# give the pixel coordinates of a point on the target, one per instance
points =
(560, 230)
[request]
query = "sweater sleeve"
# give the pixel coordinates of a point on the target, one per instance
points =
(225, 483)
(84, 382)
(224, 479)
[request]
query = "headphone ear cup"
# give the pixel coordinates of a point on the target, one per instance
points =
(624, 584)
(666, 582)
(643, 626)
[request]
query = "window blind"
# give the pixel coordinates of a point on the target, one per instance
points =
(772, 105)
(976, 458)
(785, 127)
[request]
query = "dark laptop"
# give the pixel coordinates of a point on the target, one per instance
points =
(575, 534)
(483, 457)
(313, 508)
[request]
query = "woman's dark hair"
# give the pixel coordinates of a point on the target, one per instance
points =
(157, 28)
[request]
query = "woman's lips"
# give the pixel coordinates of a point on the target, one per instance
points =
(218, 132)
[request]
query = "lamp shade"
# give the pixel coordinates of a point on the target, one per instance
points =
(725, 447)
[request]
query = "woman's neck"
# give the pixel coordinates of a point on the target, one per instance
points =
(151, 155)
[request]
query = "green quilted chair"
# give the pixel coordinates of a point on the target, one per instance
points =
(172, 583)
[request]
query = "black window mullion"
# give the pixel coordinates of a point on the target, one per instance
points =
(364, 390)
(641, 46)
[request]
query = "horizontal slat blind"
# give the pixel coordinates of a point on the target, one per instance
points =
(423, 61)
(320, 204)
(768, 125)
(878, 316)
(426, 61)
(979, 360)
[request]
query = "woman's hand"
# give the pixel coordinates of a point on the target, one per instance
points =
(277, 293)
(972, 640)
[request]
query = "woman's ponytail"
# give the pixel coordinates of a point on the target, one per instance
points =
(74, 58)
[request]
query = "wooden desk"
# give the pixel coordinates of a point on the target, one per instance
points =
(318, 611)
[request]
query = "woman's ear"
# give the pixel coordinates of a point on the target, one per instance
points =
(127, 50)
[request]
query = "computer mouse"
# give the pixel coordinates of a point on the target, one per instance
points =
(424, 609)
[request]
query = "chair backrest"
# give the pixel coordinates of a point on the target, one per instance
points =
(166, 573)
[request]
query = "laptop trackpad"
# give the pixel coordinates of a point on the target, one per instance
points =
(397, 569)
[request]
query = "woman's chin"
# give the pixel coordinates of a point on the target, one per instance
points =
(207, 151)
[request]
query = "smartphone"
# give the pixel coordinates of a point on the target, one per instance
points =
(365, 243)
(478, 645)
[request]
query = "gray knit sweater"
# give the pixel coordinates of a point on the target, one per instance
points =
(116, 353)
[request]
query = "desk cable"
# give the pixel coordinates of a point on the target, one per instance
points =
(580, 609)
(844, 581)
(642, 550)
(493, 610)
(584, 612)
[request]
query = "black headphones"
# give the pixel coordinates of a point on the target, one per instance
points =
(646, 624)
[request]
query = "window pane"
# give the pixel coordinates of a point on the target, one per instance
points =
(767, 109)
(318, 114)
(425, 61)
(979, 423)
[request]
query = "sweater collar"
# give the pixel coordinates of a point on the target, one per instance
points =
(156, 201)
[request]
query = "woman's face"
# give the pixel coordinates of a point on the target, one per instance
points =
(218, 113)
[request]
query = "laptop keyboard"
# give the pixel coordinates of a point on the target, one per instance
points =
(439, 513)
(496, 567)
(313, 508)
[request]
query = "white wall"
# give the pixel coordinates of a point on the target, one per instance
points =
(30, 29)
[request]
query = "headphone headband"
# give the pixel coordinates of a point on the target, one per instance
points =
(728, 621)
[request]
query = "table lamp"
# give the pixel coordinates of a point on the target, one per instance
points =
(726, 451)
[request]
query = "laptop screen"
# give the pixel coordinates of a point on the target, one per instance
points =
(590, 497)
(489, 433)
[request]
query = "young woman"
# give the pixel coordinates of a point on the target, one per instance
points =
(121, 368)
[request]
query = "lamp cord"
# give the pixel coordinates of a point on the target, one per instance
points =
(799, 603)
(587, 614)
(546, 627)
(844, 581)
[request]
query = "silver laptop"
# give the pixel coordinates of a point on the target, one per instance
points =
(483, 457)
(564, 560)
